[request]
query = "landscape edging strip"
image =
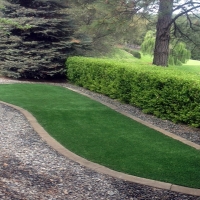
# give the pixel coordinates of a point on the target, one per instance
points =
(94, 166)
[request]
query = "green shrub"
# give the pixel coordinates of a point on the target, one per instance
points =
(171, 61)
(162, 92)
(136, 54)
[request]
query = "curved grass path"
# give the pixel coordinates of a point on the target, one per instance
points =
(104, 136)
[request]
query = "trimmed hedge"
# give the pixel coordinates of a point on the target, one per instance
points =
(163, 92)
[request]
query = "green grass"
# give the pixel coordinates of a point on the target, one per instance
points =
(193, 63)
(122, 56)
(104, 136)
(192, 66)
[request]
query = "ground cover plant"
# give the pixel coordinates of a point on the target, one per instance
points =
(102, 135)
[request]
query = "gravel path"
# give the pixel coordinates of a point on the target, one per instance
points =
(30, 169)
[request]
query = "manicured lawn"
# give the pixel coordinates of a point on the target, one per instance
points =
(102, 135)
(193, 62)
(192, 66)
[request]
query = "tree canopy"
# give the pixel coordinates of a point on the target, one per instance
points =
(168, 15)
(108, 23)
(178, 53)
(38, 35)
(36, 38)
(123, 21)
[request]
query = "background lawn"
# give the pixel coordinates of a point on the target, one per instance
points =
(192, 66)
(104, 136)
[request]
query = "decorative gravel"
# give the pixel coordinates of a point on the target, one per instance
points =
(31, 170)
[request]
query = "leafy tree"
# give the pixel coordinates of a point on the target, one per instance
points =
(168, 22)
(37, 38)
(195, 53)
(169, 12)
(108, 23)
(193, 42)
(148, 44)
(114, 16)
(178, 53)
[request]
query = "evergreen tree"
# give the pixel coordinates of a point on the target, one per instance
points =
(36, 38)
(108, 23)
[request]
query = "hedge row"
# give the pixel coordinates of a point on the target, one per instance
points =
(164, 93)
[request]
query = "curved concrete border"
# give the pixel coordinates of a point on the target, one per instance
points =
(99, 168)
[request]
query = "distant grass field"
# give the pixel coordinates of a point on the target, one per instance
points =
(192, 66)
(193, 63)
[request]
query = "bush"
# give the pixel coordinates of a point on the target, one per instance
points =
(159, 91)
(136, 54)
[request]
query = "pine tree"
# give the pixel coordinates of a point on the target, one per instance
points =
(36, 38)
(108, 23)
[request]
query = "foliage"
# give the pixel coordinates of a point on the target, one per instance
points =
(135, 53)
(168, 14)
(163, 93)
(195, 53)
(190, 35)
(148, 44)
(15, 24)
(113, 22)
(35, 43)
(178, 52)
(108, 23)
(118, 53)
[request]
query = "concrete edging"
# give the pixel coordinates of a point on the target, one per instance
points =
(99, 168)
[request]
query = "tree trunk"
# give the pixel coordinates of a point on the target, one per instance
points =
(161, 51)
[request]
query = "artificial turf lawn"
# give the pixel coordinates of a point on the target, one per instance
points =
(104, 136)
